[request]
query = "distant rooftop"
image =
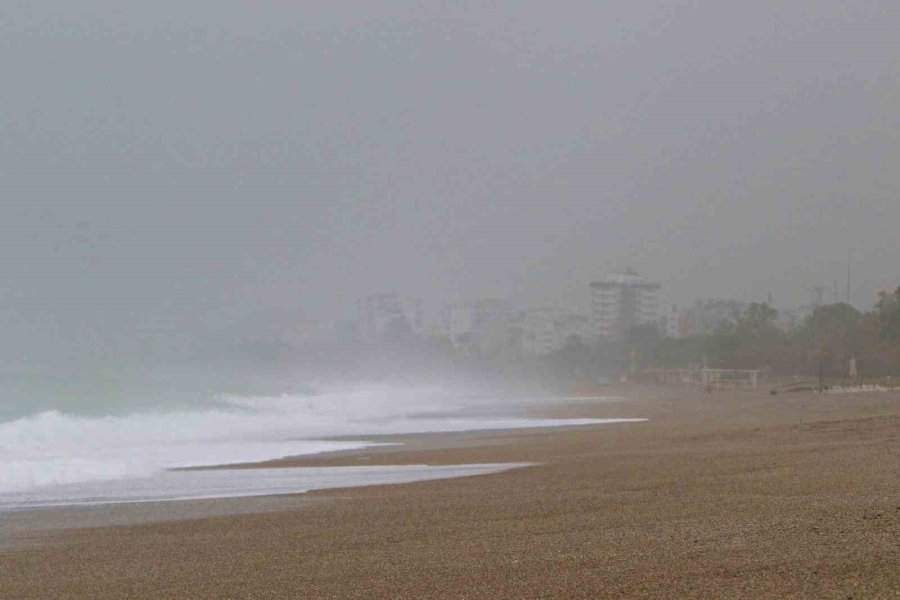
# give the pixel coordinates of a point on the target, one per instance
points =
(628, 277)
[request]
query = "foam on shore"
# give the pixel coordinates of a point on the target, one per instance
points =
(234, 483)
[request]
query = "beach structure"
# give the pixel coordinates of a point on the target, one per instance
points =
(729, 378)
(707, 378)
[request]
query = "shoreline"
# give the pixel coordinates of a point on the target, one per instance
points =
(729, 494)
(379, 450)
(384, 447)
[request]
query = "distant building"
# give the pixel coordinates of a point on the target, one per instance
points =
(670, 321)
(621, 301)
(546, 330)
(482, 324)
(387, 314)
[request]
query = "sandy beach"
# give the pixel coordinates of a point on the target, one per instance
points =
(726, 495)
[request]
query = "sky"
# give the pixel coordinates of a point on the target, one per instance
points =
(169, 168)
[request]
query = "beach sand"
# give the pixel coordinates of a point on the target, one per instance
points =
(726, 495)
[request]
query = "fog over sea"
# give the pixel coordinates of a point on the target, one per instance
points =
(58, 434)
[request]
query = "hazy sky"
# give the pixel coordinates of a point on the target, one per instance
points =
(179, 166)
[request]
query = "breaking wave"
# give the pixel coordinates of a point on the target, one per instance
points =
(52, 447)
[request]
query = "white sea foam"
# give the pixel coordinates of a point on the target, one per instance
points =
(53, 448)
(238, 483)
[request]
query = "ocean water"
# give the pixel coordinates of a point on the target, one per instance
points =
(65, 438)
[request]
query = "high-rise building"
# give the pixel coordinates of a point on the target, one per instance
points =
(622, 301)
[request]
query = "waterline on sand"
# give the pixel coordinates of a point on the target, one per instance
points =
(169, 486)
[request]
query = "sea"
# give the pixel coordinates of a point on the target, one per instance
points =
(121, 436)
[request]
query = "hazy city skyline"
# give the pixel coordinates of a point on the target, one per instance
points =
(179, 168)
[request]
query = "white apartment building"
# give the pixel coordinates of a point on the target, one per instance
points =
(621, 301)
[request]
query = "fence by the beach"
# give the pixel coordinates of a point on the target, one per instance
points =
(707, 378)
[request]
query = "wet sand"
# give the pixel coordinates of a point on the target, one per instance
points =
(730, 495)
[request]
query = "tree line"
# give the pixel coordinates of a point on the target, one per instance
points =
(825, 342)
